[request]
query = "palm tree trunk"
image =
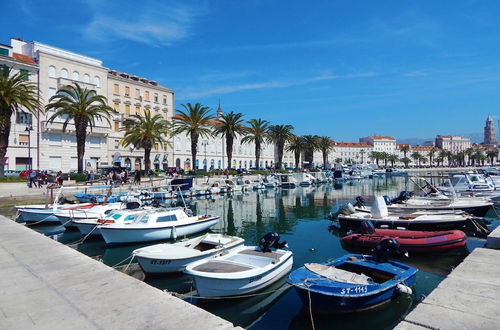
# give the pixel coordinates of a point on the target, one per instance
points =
(147, 158)
(81, 136)
(194, 148)
(297, 159)
(257, 154)
(325, 158)
(280, 155)
(229, 150)
(4, 139)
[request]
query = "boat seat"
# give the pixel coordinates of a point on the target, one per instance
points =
(338, 275)
(220, 267)
(271, 255)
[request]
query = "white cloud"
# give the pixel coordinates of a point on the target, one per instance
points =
(226, 89)
(154, 23)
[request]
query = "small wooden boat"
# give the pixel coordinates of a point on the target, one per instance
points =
(169, 258)
(351, 283)
(243, 270)
(410, 240)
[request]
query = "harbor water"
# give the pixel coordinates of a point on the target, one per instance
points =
(299, 217)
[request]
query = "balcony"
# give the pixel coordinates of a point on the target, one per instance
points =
(61, 82)
(57, 126)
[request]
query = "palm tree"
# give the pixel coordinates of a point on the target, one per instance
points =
(406, 161)
(362, 152)
(325, 145)
(257, 134)
(296, 145)
(230, 125)
(480, 157)
(385, 156)
(376, 155)
(470, 152)
(310, 146)
(492, 154)
(144, 132)
(417, 156)
(279, 135)
(442, 155)
(16, 94)
(405, 149)
(431, 154)
(195, 121)
(392, 159)
(82, 106)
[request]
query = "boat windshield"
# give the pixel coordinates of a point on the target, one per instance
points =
(143, 219)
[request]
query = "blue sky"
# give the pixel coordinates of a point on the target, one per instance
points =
(344, 69)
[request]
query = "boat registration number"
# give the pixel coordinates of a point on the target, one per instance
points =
(160, 262)
(358, 289)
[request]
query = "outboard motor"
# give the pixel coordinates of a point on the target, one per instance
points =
(360, 202)
(367, 227)
(132, 205)
(385, 249)
(347, 209)
(403, 196)
(387, 200)
(271, 240)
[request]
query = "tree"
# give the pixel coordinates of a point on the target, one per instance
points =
(296, 145)
(144, 132)
(405, 150)
(362, 152)
(492, 154)
(230, 125)
(431, 154)
(17, 94)
(376, 155)
(82, 106)
(406, 161)
(310, 146)
(417, 156)
(442, 155)
(279, 135)
(195, 121)
(256, 133)
(325, 145)
(393, 159)
(470, 153)
(480, 157)
(385, 157)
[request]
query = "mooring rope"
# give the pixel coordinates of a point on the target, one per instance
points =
(131, 257)
(81, 240)
(183, 296)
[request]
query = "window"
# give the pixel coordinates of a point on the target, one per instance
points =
(64, 73)
(52, 71)
(137, 110)
(127, 91)
(26, 74)
(86, 78)
(116, 89)
(166, 218)
(97, 81)
(156, 146)
(116, 107)
(127, 109)
(156, 98)
(4, 51)
(117, 144)
(23, 139)
(165, 101)
(146, 95)
(137, 93)
(23, 117)
(117, 126)
(76, 75)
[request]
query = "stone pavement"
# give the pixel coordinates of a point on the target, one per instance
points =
(47, 285)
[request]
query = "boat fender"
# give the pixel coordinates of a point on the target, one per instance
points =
(404, 289)
(174, 233)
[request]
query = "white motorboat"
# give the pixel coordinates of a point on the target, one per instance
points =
(232, 186)
(304, 179)
(66, 217)
(161, 224)
(286, 180)
(169, 258)
(257, 184)
(43, 214)
(88, 226)
(243, 270)
(270, 181)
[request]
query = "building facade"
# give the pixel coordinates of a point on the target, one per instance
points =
(454, 144)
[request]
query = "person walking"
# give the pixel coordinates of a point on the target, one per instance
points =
(31, 178)
(137, 177)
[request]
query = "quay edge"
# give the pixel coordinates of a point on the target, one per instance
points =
(47, 285)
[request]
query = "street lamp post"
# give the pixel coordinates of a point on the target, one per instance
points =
(204, 144)
(28, 129)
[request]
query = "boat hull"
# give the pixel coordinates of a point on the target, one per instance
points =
(223, 287)
(124, 235)
(435, 225)
(87, 228)
(411, 241)
(38, 215)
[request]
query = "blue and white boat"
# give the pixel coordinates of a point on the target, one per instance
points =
(351, 283)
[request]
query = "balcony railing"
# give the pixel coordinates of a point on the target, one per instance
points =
(57, 126)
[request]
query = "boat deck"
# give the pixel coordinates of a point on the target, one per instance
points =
(272, 255)
(221, 267)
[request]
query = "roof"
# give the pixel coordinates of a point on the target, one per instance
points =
(352, 144)
(422, 148)
(381, 137)
(23, 58)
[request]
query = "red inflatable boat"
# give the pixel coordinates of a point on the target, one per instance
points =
(410, 240)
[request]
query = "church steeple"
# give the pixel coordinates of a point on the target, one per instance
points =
(219, 111)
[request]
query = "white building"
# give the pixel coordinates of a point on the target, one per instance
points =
(455, 144)
(351, 152)
(23, 131)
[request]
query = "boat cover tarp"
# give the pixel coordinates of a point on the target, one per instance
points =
(338, 275)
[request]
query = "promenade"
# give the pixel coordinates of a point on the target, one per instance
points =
(47, 285)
